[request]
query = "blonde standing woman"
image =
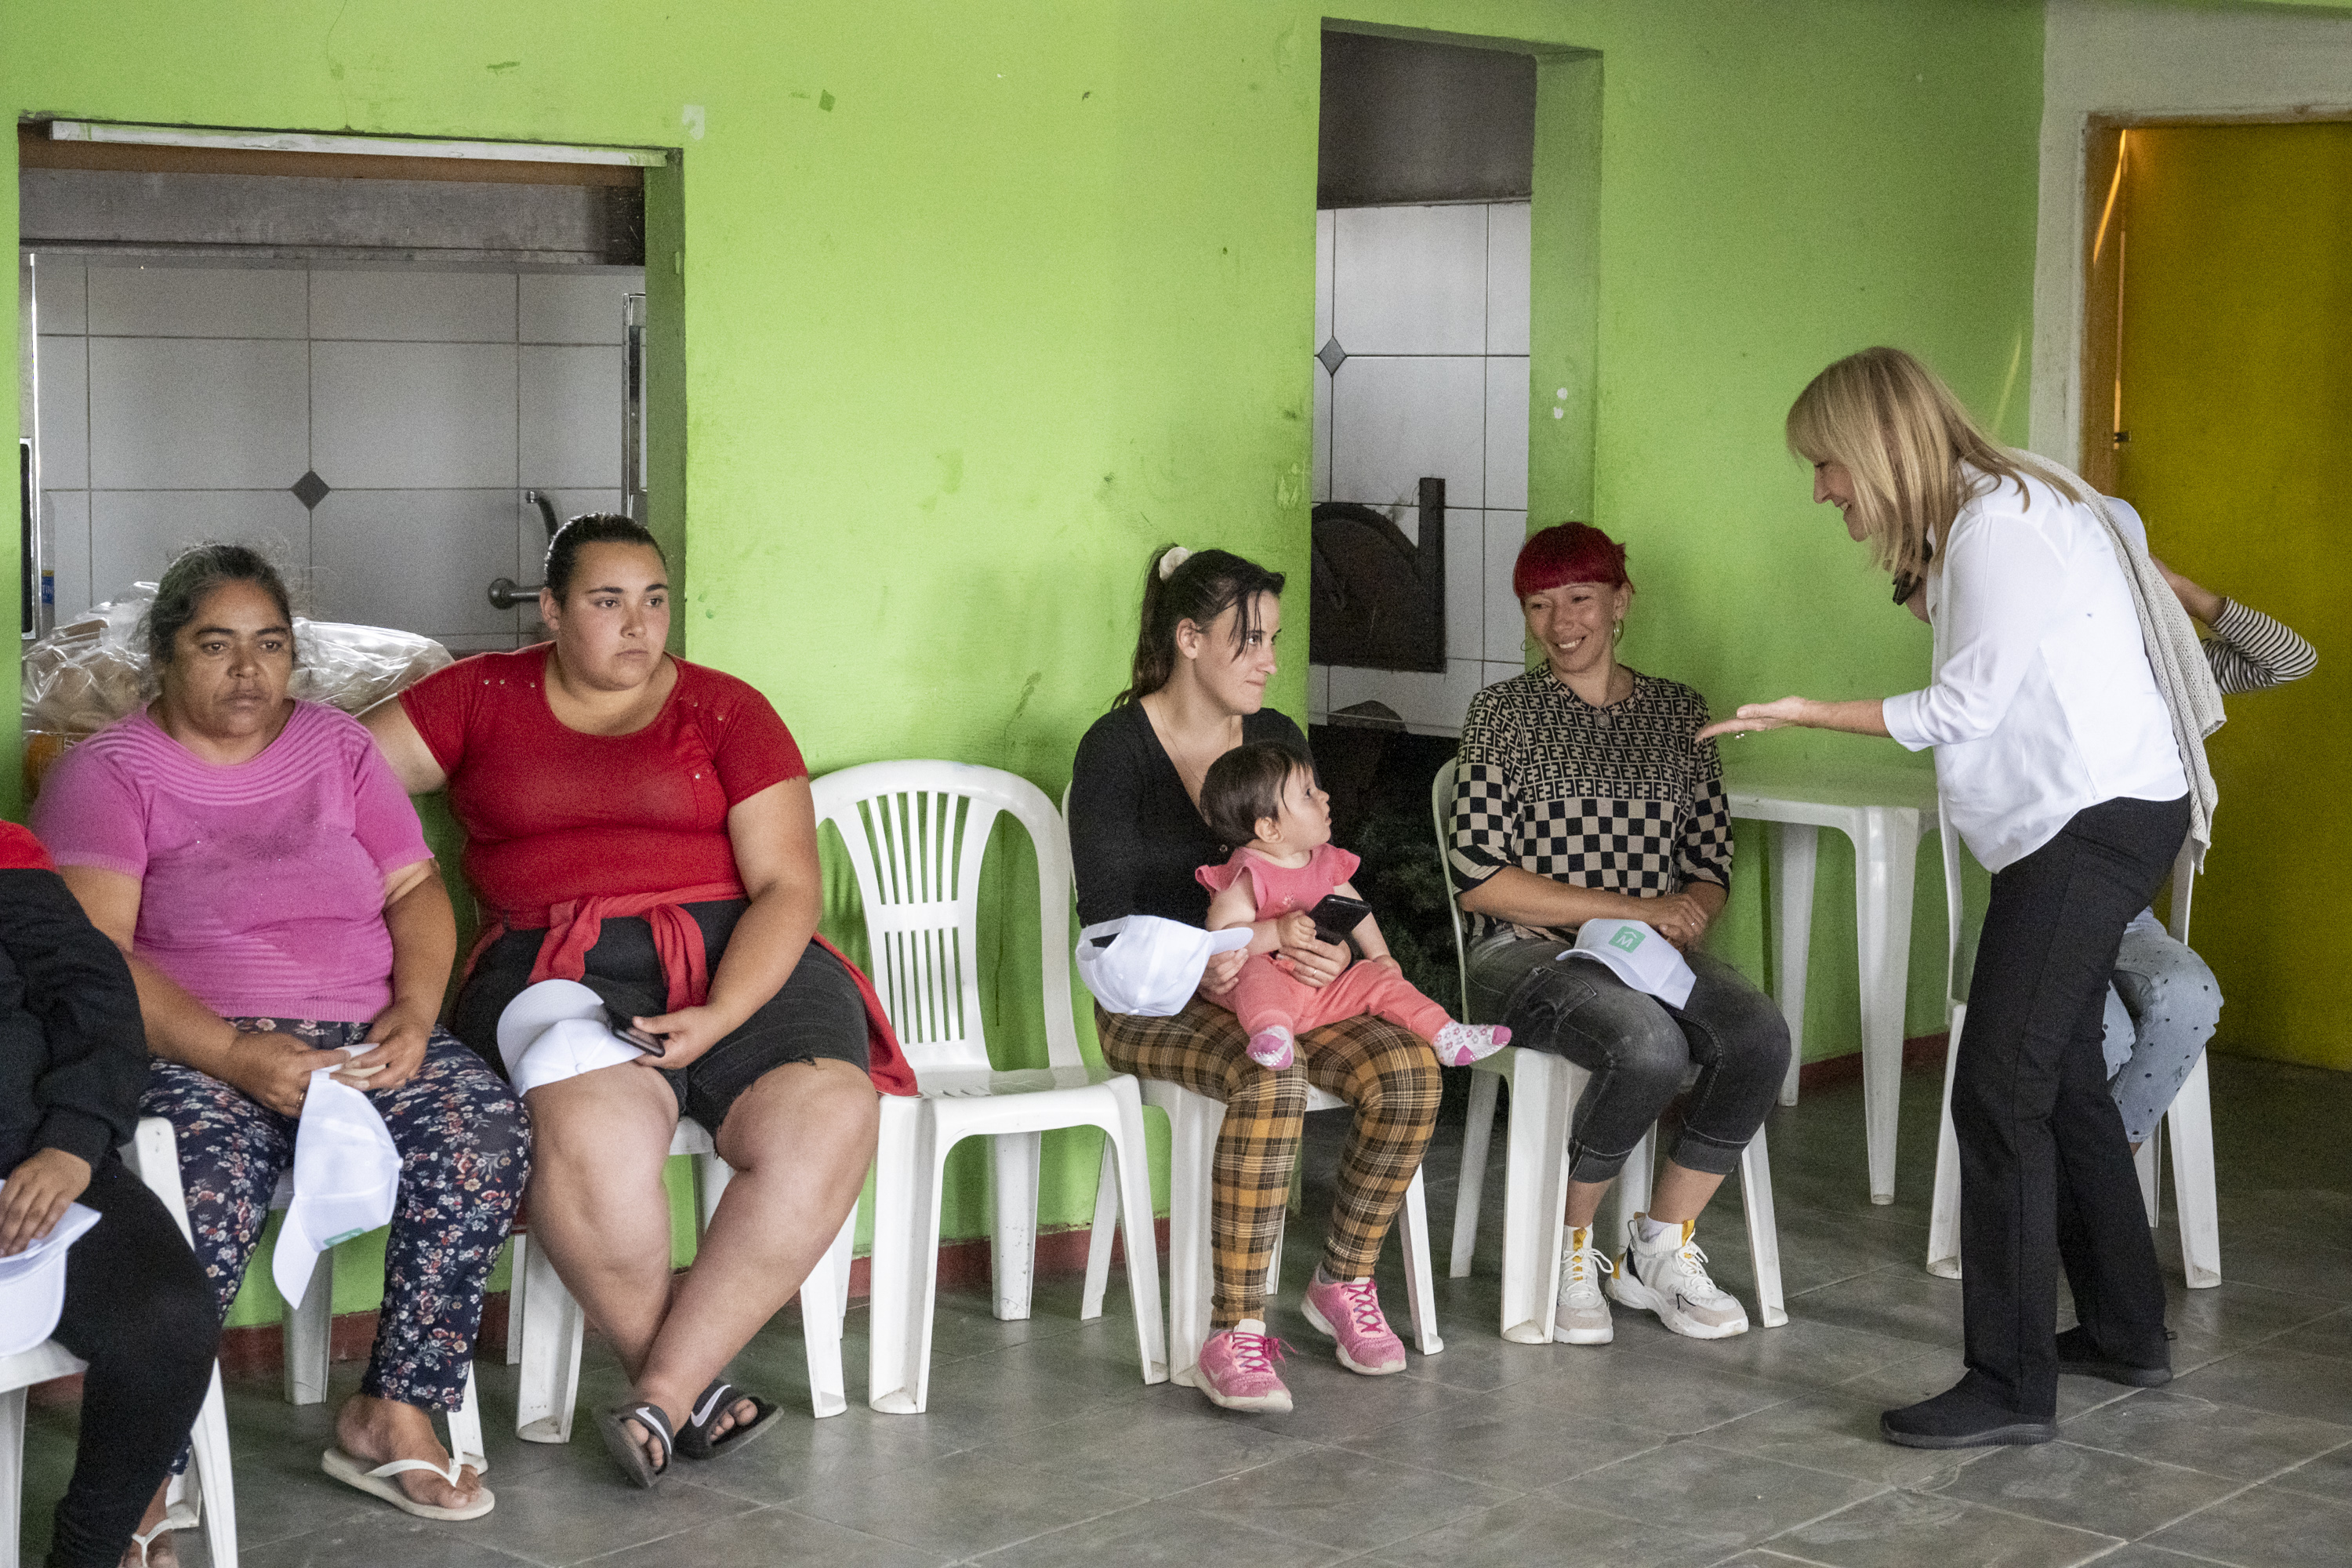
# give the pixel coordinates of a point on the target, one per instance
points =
(2067, 713)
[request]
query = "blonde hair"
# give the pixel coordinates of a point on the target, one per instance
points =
(1902, 435)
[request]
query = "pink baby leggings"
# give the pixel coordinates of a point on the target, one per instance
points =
(1267, 995)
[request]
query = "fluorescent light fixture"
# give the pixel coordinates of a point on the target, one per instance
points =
(363, 146)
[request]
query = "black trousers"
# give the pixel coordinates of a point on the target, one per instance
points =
(2045, 1169)
(139, 1310)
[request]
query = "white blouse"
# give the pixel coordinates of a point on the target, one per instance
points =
(2043, 702)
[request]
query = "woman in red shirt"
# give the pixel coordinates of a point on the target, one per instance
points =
(644, 825)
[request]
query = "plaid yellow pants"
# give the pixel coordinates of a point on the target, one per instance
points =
(1388, 1076)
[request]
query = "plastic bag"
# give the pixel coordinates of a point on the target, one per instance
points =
(85, 675)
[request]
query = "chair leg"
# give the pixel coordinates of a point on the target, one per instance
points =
(12, 1474)
(1142, 1236)
(309, 1330)
(1476, 1134)
(820, 1312)
(1944, 1213)
(1194, 1123)
(1796, 847)
(1419, 1277)
(1535, 1191)
(1886, 868)
(517, 1249)
(906, 1260)
(1763, 1230)
(208, 1442)
(1633, 1188)
(2148, 1165)
(711, 1175)
(553, 1327)
(465, 1429)
(1099, 1238)
(2191, 1121)
(1012, 1245)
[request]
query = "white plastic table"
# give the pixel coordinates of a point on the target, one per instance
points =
(1885, 811)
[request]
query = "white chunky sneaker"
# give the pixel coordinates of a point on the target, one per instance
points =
(1668, 1277)
(1581, 1317)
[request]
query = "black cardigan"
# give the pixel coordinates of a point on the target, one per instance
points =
(73, 1052)
(1136, 837)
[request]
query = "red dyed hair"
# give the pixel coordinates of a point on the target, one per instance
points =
(1568, 552)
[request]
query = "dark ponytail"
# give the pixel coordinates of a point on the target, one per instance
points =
(1204, 585)
(591, 528)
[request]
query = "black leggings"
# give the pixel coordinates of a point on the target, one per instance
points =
(138, 1310)
(2045, 1172)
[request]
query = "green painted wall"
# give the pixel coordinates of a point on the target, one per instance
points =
(981, 302)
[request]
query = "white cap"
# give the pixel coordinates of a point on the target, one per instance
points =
(556, 1030)
(33, 1283)
(1150, 967)
(1642, 958)
(346, 1180)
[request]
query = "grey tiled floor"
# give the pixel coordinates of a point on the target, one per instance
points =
(1043, 1447)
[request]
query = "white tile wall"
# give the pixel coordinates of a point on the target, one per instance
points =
(181, 404)
(134, 533)
(411, 306)
(63, 412)
(198, 413)
(66, 521)
(582, 309)
(1410, 280)
(570, 434)
(1509, 263)
(61, 293)
(392, 415)
(199, 301)
(1431, 305)
(1396, 420)
(364, 545)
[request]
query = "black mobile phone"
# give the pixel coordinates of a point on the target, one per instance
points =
(1337, 915)
(652, 1045)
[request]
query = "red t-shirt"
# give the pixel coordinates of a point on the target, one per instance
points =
(551, 814)
(20, 851)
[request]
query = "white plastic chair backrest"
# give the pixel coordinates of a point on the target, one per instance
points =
(1441, 812)
(916, 833)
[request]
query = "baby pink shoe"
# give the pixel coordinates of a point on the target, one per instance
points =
(1459, 1044)
(1236, 1370)
(1270, 1048)
(1349, 1311)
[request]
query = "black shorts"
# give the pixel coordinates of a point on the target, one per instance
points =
(818, 1014)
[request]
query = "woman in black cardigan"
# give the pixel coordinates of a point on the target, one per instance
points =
(73, 1057)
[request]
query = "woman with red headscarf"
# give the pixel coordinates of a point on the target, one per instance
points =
(1583, 794)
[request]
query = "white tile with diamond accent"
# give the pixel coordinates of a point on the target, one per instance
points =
(154, 301)
(1507, 431)
(1507, 628)
(1396, 420)
(1320, 433)
(133, 534)
(1465, 599)
(62, 372)
(65, 524)
(1509, 271)
(410, 306)
(414, 416)
(1410, 280)
(197, 414)
(366, 545)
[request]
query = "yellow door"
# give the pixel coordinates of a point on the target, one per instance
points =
(2236, 398)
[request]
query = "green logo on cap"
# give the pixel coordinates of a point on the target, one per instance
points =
(1627, 939)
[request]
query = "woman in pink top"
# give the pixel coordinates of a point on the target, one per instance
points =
(258, 865)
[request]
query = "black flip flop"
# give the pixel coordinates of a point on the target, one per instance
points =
(626, 1450)
(696, 1442)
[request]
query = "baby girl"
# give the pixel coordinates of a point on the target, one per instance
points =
(1264, 797)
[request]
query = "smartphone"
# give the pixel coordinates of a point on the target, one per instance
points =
(1337, 915)
(652, 1045)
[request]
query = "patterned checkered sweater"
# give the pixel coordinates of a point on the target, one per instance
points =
(1623, 798)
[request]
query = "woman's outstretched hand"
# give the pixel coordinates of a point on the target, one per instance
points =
(1761, 716)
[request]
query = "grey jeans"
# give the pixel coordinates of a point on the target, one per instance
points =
(2163, 1006)
(1639, 1050)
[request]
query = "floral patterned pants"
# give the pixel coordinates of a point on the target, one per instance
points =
(465, 1148)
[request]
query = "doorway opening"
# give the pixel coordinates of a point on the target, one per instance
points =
(386, 363)
(2217, 388)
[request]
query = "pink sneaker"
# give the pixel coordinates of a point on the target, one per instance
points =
(1270, 1048)
(1459, 1044)
(1350, 1313)
(1236, 1371)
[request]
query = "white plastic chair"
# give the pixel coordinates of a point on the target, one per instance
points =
(916, 833)
(153, 1154)
(1544, 1091)
(551, 1324)
(2190, 1118)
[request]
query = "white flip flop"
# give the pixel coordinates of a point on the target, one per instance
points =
(177, 1517)
(377, 1482)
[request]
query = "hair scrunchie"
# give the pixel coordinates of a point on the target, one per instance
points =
(1175, 555)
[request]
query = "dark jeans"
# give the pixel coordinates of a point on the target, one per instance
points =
(1639, 1050)
(138, 1310)
(2045, 1171)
